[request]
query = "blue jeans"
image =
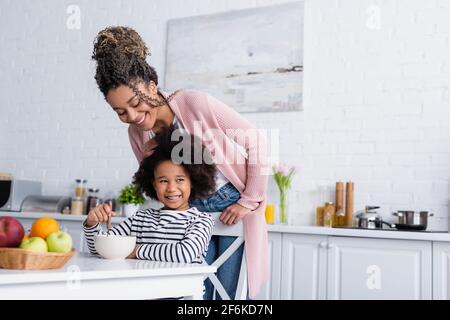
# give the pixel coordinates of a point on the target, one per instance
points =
(228, 272)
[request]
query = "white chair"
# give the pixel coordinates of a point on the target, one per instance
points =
(236, 230)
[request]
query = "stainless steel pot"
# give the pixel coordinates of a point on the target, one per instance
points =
(411, 220)
(369, 222)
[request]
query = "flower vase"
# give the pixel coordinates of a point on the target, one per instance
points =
(284, 206)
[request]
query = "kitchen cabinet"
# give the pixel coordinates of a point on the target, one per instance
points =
(271, 289)
(361, 268)
(330, 267)
(304, 267)
(441, 270)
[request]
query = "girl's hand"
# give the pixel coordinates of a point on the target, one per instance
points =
(99, 214)
(132, 255)
(233, 214)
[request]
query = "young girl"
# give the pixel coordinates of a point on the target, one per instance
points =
(130, 86)
(176, 232)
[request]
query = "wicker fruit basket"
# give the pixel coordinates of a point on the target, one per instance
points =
(14, 258)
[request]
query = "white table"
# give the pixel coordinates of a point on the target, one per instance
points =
(87, 277)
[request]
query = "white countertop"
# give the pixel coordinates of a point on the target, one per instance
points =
(84, 266)
(365, 233)
(299, 229)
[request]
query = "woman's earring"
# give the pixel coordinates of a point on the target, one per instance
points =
(153, 88)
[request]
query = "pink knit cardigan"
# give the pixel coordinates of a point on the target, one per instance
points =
(199, 112)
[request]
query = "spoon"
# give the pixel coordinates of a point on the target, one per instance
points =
(108, 223)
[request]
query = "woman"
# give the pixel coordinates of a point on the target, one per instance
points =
(129, 85)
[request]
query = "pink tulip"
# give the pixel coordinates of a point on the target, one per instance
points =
(283, 170)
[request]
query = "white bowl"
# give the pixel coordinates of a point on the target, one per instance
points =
(114, 247)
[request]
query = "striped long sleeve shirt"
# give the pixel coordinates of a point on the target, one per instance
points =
(163, 235)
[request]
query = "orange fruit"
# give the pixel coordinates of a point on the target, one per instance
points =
(25, 237)
(43, 227)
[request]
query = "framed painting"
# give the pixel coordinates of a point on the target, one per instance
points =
(250, 59)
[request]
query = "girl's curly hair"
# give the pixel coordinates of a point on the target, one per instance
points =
(120, 53)
(202, 175)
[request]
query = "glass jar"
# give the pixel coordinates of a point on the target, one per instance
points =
(110, 199)
(77, 206)
(328, 214)
(319, 216)
(80, 189)
(323, 194)
(92, 200)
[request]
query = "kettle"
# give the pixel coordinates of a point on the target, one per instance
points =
(368, 218)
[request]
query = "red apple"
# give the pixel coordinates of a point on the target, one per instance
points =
(11, 232)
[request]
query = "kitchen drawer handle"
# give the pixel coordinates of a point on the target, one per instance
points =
(323, 244)
(331, 245)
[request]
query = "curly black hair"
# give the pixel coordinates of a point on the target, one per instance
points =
(202, 175)
(120, 53)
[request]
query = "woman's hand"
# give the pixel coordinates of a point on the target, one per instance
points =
(233, 214)
(99, 214)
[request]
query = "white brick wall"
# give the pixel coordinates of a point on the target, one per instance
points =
(377, 92)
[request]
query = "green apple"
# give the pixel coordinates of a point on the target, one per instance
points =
(36, 244)
(59, 241)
